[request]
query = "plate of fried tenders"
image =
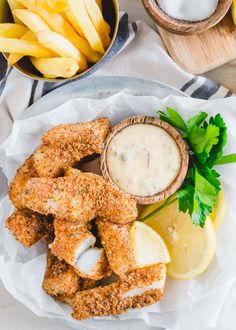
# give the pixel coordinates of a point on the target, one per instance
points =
(85, 223)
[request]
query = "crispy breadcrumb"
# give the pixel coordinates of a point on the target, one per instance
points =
(141, 287)
(66, 145)
(60, 279)
(71, 240)
(117, 243)
(79, 198)
(70, 132)
(25, 172)
(29, 227)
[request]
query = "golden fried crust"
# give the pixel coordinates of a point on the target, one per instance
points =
(65, 145)
(52, 160)
(70, 132)
(68, 239)
(112, 299)
(79, 198)
(29, 227)
(25, 172)
(72, 198)
(60, 279)
(117, 244)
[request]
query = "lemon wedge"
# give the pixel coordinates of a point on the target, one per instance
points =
(149, 247)
(233, 10)
(191, 248)
(218, 212)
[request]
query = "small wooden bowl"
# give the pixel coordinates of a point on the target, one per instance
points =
(173, 133)
(185, 27)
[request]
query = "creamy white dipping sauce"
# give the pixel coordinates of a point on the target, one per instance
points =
(143, 159)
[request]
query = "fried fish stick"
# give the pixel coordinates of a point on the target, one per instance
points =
(71, 240)
(93, 264)
(29, 227)
(79, 198)
(141, 287)
(25, 172)
(72, 198)
(60, 279)
(72, 132)
(117, 243)
(52, 160)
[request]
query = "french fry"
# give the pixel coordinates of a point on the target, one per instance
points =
(11, 30)
(14, 58)
(101, 26)
(56, 67)
(99, 2)
(58, 5)
(78, 10)
(60, 25)
(70, 17)
(14, 4)
(62, 47)
(34, 22)
(25, 47)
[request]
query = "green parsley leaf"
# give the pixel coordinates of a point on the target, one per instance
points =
(202, 140)
(228, 159)
(197, 120)
(173, 118)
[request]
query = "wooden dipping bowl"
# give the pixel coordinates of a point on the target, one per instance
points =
(173, 133)
(185, 27)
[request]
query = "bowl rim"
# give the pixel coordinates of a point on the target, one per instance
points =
(185, 27)
(82, 74)
(175, 185)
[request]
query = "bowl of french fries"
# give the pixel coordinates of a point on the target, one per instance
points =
(57, 40)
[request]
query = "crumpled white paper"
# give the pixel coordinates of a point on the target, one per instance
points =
(195, 304)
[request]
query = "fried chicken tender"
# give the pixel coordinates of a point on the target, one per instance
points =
(79, 198)
(66, 145)
(141, 287)
(71, 240)
(29, 227)
(62, 282)
(117, 243)
(17, 186)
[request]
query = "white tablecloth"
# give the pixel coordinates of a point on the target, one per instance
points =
(13, 315)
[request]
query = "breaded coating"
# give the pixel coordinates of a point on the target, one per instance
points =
(52, 160)
(60, 279)
(66, 145)
(62, 282)
(29, 227)
(79, 198)
(70, 132)
(117, 243)
(141, 287)
(71, 240)
(93, 264)
(17, 186)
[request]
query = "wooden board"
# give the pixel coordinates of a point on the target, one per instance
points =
(203, 52)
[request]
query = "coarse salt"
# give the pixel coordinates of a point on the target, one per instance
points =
(189, 10)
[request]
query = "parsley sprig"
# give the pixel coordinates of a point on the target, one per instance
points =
(206, 141)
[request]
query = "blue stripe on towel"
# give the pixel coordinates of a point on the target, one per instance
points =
(207, 90)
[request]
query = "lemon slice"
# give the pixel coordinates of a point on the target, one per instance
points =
(218, 212)
(233, 10)
(191, 248)
(149, 247)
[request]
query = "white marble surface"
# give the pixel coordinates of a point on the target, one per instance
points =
(14, 315)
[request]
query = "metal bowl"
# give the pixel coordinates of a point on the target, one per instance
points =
(111, 15)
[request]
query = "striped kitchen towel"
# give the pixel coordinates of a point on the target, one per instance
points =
(137, 50)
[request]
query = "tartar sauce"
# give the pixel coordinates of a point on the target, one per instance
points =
(143, 159)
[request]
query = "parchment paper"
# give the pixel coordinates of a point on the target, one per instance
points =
(185, 303)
